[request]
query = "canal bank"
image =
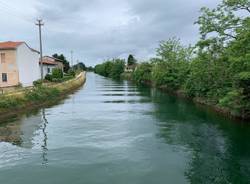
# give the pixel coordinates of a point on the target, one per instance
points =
(199, 101)
(36, 97)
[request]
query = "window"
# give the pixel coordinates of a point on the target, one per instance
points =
(48, 70)
(2, 57)
(4, 77)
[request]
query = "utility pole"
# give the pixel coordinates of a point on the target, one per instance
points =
(40, 24)
(71, 58)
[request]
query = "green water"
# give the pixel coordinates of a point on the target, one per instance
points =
(112, 132)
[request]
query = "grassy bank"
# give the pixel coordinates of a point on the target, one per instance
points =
(38, 96)
(145, 79)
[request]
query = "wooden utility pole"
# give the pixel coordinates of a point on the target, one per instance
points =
(40, 24)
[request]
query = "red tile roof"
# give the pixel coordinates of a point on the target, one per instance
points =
(14, 45)
(10, 45)
(49, 61)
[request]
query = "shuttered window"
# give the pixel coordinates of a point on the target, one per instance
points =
(4, 77)
(2, 57)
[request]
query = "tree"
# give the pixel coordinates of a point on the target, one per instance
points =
(172, 51)
(131, 60)
(223, 20)
(80, 66)
(62, 58)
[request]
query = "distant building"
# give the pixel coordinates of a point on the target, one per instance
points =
(50, 63)
(130, 68)
(19, 64)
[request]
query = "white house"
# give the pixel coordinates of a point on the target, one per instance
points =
(19, 64)
(50, 63)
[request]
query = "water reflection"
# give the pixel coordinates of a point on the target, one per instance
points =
(45, 138)
(219, 150)
(27, 132)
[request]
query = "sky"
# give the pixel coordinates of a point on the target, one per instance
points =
(96, 30)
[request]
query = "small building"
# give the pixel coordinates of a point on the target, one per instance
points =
(50, 63)
(19, 64)
(130, 68)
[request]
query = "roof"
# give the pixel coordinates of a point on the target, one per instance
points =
(49, 60)
(56, 59)
(14, 45)
(10, 45)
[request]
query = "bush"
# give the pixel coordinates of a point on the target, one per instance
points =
(66, 78)
(57, 73)
(71, 72)
(38, 82)
(142, 73)
(57, 80)
(41, 94)
(10, 102)
(48, 77)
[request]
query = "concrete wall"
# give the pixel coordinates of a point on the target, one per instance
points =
(10, 68)
(28, 65)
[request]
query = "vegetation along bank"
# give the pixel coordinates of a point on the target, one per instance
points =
(215, 71)
(39, 95)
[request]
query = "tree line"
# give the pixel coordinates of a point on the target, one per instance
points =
(215, 70)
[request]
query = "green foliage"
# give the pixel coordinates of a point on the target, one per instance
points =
(172, 51)
(61, 58)
(131, 60)
(142, 73)
(10, 102)
(113, 68)
(71, 72)
(117, 69)
(57, 73)
(170, 74)
(79, 67)
(38, 82)
(48, 77)
(41, 94)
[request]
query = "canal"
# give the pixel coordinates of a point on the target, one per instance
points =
(115, 132)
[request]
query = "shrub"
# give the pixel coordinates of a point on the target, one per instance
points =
(41, 94)
(142, 73)
(48, 77)
(38, 82)
(71, 72)
(57, 73)
(10, 102)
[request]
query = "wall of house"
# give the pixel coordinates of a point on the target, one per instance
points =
(28, 65)
(10, 68)
(45, 69)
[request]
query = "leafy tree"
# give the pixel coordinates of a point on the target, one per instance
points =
(63, 59)
(172, 51)
(131, 60)
(112, 68)
(117, 68)
(80, 66)
(143, 73)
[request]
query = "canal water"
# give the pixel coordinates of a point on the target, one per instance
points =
(115, 132)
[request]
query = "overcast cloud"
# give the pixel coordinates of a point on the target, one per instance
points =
(99, 29)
